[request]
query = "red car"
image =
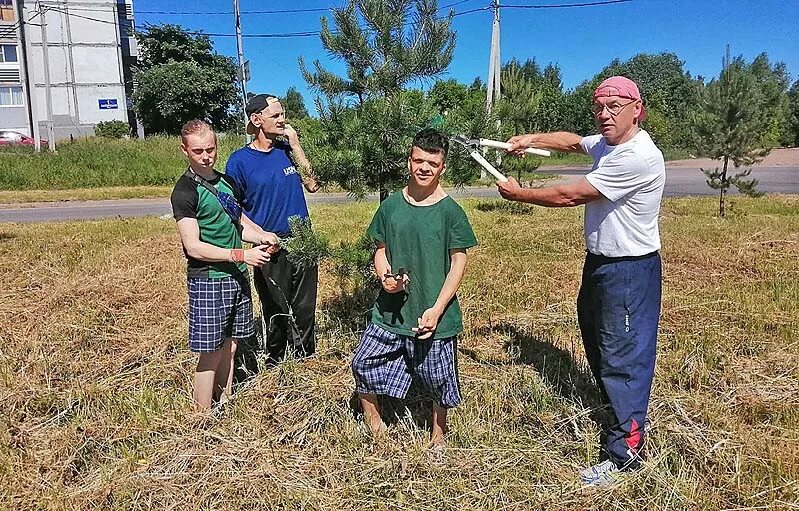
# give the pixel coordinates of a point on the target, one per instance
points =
(16, 138)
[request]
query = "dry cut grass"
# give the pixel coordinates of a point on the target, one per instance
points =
(95, 377)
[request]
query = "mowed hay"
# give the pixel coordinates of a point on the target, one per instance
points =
(95, 377)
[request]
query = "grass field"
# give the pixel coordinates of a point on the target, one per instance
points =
(95, 377)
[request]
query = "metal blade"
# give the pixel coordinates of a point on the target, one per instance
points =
(466, 142)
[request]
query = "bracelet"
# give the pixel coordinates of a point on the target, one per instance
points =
(237, 255)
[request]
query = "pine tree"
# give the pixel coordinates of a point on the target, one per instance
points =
(369, 116)
(730, 124)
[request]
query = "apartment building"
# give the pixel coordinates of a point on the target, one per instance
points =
(13, 113)
(65, 65)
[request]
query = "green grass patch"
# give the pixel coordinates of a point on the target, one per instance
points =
(101, 162)
(95, 376)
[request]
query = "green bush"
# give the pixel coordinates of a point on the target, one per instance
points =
(112, 129)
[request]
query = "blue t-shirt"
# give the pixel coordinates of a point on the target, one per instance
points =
(269, 185)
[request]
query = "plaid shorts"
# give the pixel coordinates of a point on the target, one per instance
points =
(385, 363)
(219, 309)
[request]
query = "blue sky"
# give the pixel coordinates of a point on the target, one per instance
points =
(581, 40)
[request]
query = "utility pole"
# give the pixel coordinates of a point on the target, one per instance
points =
(24, 36)
(47, 96)
(494, 74)
(494, 66)
(242, 71)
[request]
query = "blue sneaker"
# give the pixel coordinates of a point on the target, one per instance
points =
(600, 474)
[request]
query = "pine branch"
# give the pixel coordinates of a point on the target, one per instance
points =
(305, 247)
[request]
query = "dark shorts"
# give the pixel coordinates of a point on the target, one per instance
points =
(219, 309)
(385, 363)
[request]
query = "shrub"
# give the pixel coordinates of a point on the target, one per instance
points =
(112, 129)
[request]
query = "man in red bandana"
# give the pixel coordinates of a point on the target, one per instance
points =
(619, 302)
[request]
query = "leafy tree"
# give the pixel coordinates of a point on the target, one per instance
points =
(448, 96)
(294, 104)
(517, 108)
(368, 115)
(772, 83)
(793, 115)
(549, 116)
(548, 88)
(529, 70)
(729, 127)
(670, 95)
(462, 111)
(179, 77)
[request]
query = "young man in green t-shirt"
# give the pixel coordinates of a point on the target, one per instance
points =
(211, 229)
(422, 235)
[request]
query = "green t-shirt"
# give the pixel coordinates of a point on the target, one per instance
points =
(191, 200)
(419, 238)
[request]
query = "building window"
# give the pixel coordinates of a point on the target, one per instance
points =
(8, 53)
(7, 11)
(11, 96)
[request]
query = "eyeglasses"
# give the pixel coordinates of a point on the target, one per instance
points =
(613, 110)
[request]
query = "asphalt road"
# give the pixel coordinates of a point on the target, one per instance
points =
(679, 182)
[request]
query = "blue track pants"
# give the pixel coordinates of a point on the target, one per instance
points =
(618, 309)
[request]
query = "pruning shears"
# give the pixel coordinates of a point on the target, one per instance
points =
(474, 144)
(401, 272)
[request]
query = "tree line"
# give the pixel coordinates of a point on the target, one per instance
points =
(366, 117)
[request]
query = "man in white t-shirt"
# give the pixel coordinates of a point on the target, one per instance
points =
(619, 302)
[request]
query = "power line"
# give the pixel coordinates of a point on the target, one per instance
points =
(117, 21)
(270, 11)
(13, 28)
(309, 33)
(314, 33)
(565, 6)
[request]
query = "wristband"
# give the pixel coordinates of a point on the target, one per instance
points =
(237, 255)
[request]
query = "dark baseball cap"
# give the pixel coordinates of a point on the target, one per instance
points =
(256, 104)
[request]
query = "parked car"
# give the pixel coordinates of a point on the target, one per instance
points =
(16, 138)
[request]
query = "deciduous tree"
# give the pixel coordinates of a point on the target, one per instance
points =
(179, 77)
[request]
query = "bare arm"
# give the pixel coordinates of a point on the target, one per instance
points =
(306, 172)
(189, 232)
(558, 196)
(561, 141)
(429, 320)
(252, 233)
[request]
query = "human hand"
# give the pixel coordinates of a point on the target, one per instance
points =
(257, 256)
(394, 283)
(291, 135)
(310, 184)
(510, 189)
(519, 143)
(427, 323)
(271, 242)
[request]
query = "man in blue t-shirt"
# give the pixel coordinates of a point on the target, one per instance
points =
(270, 184)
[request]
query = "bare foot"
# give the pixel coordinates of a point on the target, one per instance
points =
(437, 450)
(375, 424)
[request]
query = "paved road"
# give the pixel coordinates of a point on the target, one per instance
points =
(679, 182)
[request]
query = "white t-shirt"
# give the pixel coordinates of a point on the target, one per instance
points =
(630, 176)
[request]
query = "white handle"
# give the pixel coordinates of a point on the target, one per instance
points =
(504, 145)
(490, 168)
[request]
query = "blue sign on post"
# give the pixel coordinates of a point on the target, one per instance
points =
(108, 104)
